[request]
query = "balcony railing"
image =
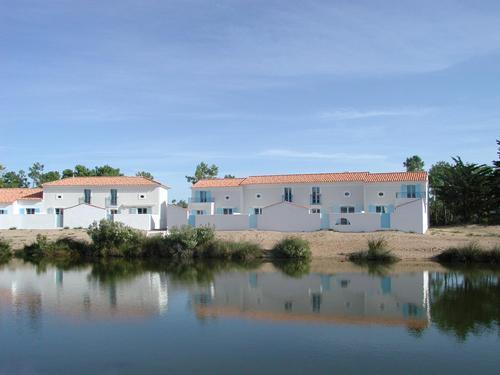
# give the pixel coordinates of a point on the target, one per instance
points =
(81, 200)
(287, 198)
(110, 202)
(409, 195)
(201, 200)
(315, 199)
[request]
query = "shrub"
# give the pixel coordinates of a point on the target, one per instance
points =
(5, 250)
(182, 242)
(377, 252)
(292, 248)
(43, 247)
(295, 268)
(237, 251)
(114, 239)
(470, 253)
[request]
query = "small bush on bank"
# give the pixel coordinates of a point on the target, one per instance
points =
(292, 248)
(63, 247)
(377, 252)
(114, 239)
(5, 250)
(470, 253)
(236, 251)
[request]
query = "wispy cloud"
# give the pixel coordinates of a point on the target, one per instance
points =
(353, 114)
(319, 155)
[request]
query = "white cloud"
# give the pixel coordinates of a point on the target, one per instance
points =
(353, 114)
(319, 155)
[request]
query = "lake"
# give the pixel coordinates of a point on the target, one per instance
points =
(120, 317)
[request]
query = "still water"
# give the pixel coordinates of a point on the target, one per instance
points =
(129, 318)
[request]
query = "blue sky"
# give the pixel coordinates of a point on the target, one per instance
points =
(257, 87)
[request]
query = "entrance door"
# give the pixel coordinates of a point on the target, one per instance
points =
(59, 217)
(385, 221)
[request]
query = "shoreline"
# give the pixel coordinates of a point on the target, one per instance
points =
(325, 245)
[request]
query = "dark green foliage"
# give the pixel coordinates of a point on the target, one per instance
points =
(12, 179)
(5, 250)
(115, 239)
(236, 251)
(471, 253)
(63, 247)
(414, 164)
(377, 252)
(292, 248)
(202, 172)
(182, 203)
(145, 174)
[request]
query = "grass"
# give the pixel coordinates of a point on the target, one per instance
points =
(292, 248)
(470, 254)
(377, 252)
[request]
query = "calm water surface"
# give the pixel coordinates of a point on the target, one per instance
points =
(129, 318)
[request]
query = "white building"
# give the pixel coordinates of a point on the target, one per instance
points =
(349, 202)
(79, 201)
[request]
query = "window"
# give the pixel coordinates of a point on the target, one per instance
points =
(316, 302)
(114, 197)
(347, 209)
(411, 191)
(287, 196)
(113, 211)
(227, 197)
(30, 211)
(59, 211)
(86, 196)
(227, 211)
(258, 195)
(142, 210)
(200, 212)
(315, 210)
(288, 305)
(59, 196)
(257, 211)
(347, 194)
(344, 221)
(315, 195)
(142, 196)
(3, 212)
(203, 196)
(380, 194)
(380, 209)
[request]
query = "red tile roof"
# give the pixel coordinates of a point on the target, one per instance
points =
(313, 178)
(104, 181)
(10, 195)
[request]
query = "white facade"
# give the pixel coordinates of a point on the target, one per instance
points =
(371, 202)
(78, 202)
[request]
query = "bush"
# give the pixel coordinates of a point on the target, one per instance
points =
(470, 253)
(236, 251)
(115, 239)
(42, 247)
(377, 252)
(5, 250)
(292, 248)
(295, 268)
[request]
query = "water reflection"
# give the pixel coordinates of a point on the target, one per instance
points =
(457, 302)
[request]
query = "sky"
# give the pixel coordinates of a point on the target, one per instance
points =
(256, 87)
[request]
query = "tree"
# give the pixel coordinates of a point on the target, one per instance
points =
(2, 168)
(182, 203)
(439, 214)
(67, 173)
(466, 191)
(229, 176)
(49, 176)
(107, 170)
(15, 180)
(414, 164)
(144, 174)
(82, 171)
(35, 172)
(203, 172)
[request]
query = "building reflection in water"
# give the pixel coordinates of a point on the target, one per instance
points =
(357, 298)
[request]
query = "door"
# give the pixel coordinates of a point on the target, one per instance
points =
(59, 217)
(385, 221)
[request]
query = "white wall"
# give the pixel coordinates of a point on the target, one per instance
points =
(82, 216)
(41, 221)
(410, 217)
(288, 217)
(141, 222)
(176, 216)
(223, 222)
(362, 222)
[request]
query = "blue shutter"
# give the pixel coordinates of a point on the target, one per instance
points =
(403, 191)
(336, 209)
(21, 211)
(209, 196)
(132, 210)
(390, 209)
(37, 210)
(371, 208)
(358, 208)
(218, 211)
